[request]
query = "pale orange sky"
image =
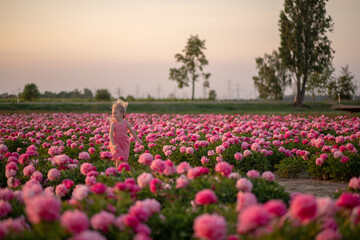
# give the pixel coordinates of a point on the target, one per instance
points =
(63, 45)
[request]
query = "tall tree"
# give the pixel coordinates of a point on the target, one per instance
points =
(344, 86)
(318, 82)
(31, 92)
(304, 47)
(193, 60)
(272, 77)
(102, 95)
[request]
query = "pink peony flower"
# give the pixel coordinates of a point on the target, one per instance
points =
(102, 221)
(348, 200)
(124, 167)
(146, 159)
(205, 197)
(43, 207)
(85, 168)
(84, 156)
(253, 174)
(111, 171)
(238, 156)
(155, 185)
(80, 192)
(182, 182)
(61, 190)
(253, 217)
(88, 235)
(354, 183)
(74, 221)
(197, 172)
(245, 200)
(326, 207)
(183, 168)
(53, 174)
(268, 176)
(144, 179)
(28, 170)
(5, 208)
(210, 227)
(328, 234)
(189, 150)
(276, 207)
(158, 165)
(37, 176)
(98, 188)
(247, 153)
(61, 160)
(303, 207)
(244, 184)
(224, 168)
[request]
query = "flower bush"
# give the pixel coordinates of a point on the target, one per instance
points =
(58, 181)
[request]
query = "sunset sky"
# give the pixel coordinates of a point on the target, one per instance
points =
(130, 45)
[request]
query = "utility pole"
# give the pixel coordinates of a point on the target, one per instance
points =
(158, 90)
(118, 91)
(238, 90)
(137, 90)
(229, 88)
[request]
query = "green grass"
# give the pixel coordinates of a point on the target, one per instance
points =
(177, 107)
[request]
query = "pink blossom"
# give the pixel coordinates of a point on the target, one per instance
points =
(253, 217)
(61, 160)
(355, 215)
(53, 174)
(204, 160)
(338, 154)
(90, 180)
(24, 158)
(158, 165)
(98, 188)
(84, 156)
(319, 161)
(37, 176)
(224, 168)
(197, 172)
(91, 150)
(146, 159)
(220, 149)
(238, 156)
(253, 174)
(247, 153)
(245, 200)
(88, 235)
(268, 176)
(28, 170)
(144, 179)
(141, 236)
(61, 190)
(102, 221)
(124, 167)
(326, 207)
(43, 207)
(354, 183)
(303, 207)
(348, 200)
(344, 159)
(5, 208)
(111, 171)
(205, 197)
(276, 207)
(85, 168)
(244, 184)
(155, 185)
(182, 182)
(183, 168)
(3, 148)
(328, 234)
(210, 227)
(189, 150)
(80, 192)
(74, 221)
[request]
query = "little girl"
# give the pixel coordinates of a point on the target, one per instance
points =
(119, 140)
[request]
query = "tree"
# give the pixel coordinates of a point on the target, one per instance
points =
(318, 82)
(343, 86)
(212, 95)
(30, 92)
(193, 61)
(304, 47)
(273, 77)
(87, 93)
(102, 95)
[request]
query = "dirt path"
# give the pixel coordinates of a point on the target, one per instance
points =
(307, 185)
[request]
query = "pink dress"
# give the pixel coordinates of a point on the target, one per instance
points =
(121, 140)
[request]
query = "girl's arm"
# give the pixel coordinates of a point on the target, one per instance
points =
(133, 132)
(112, 134)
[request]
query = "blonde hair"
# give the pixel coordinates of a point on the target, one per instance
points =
(120, 105)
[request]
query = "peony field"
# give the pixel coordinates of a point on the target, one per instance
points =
(196, 176)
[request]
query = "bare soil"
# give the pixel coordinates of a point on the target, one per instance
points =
(307, 185)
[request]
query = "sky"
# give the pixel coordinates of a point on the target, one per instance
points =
(128, 46)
